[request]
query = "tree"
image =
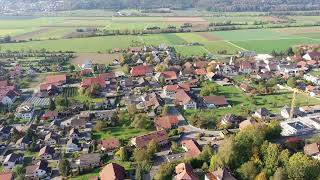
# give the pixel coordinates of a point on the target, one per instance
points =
(122, 154)
(279, 174)
(152, 148)
(52, 106)
(301, 166)
(138, 175)
(213, 162)
(205, 167)
(206, 153)
(271, 158)
(174, 147)
(208, 89)
(99, 126)
(290, 52)
(165, 110)
(95, 69)
(19, 170)
(292, 82)
(71, 68)
(64, 167)
(273, 130)
(140, 121)
(248, 170)
(261, 176)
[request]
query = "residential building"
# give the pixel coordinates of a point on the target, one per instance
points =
(25, 111)
(109, 144)
(11, 160)
(160, 137)
(39, 170)
(220, 174)
(113, 171)
(183, 99)
(215, 101)
(185, 172)
(90, 160)
(47, 153)
(312, 150)
(192, 148)
(166, 122)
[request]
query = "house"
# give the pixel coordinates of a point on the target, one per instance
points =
(200, 72)
(170, 90)
(47, 153)
(160, 137)
(50, 115)
(90, 160)
(23, 143)
(229, 119)
(86, 65)
(199, 64)
(166, 122)
(181, 98)
(219, 174)
(246, 67)
(167, 76)
(79, 123)
(153, 101)
(247, 54)
(312, 56)
(108, 76)
(109, 144)
(86, 72)
(56, 79)
(262, 113)
(72, 146)
(8, 96)
(141, 70)
(192, 148)
(51, 139)
(215, 101)
(286, 111)
(5, 132)
(112, 171)
(312, 78)
(185, 172)
(134, 50)
(6, 175)
(74, 133)
(290, 69)
(87, 82)
(39, 170)
(248, 123)
(25, 111)
(312, 150)
(11, 160)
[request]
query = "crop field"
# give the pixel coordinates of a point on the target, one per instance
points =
(44, 29)
(95, 58)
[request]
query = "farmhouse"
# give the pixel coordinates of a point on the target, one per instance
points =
(215, 101)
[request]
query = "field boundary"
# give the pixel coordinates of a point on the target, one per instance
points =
(235, 45)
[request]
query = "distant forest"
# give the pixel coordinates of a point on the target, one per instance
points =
(212, 5)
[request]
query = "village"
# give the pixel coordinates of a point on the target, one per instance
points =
(124, 123)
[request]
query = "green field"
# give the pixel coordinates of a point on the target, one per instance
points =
(119, 132)
(260, 40)
(239, 100)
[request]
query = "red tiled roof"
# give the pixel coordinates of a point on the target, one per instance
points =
(200, 71)
(85, 72)
(184, 171)
(56, 79)
(169, 75)
(112, 171)
(216, 100)
(3, 84)
(141, 70)
(107, 76)
(6, 175)
(192, 147)
(111, 143)
(182, 98)
(176, 87)
(143, 141)
(166, 122)
(200, 64)
(93, 80)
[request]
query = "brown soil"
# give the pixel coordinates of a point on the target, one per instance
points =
(208, 36)
(95, 58)
(29, 35)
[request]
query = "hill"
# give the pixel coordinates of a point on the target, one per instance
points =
(213, 5)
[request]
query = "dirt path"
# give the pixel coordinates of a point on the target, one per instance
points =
(29, 35)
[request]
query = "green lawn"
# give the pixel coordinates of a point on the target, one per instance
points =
(240, 101)
(119, 132)
(94, 173)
